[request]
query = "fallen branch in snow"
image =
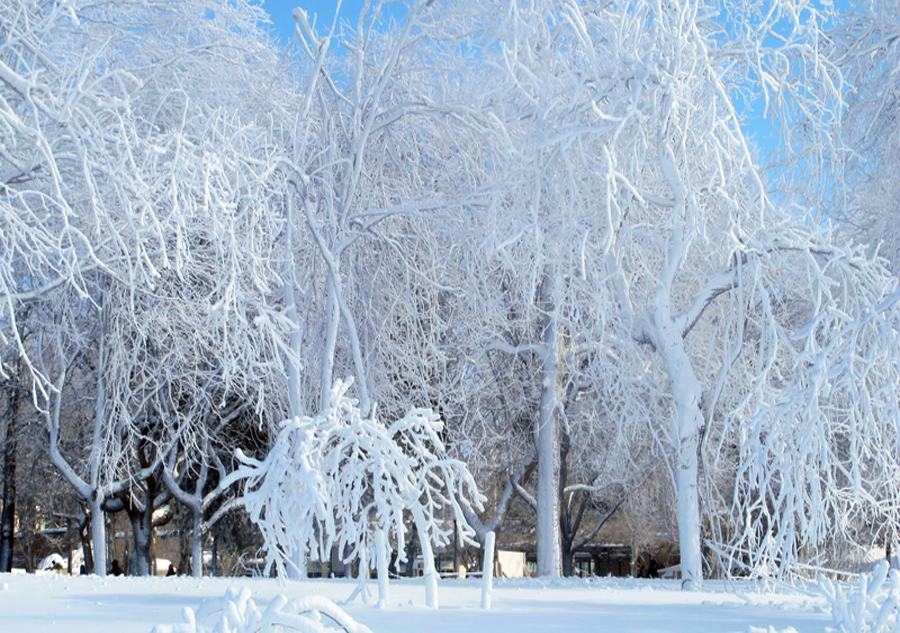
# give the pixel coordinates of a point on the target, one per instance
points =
(237, 613)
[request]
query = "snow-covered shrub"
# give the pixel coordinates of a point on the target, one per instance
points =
(338, 477)
(869, 608)
(237, 613)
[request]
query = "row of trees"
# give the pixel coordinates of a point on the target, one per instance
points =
(542, 220)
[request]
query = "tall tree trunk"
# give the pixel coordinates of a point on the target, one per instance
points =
(566, 530)
(185, 546)
(687, 393)
(292, 364)
(97, 498)
(688, 422)
(568, 561)
(333, 316)
(686, 485)
(548, 535)
(8, 516)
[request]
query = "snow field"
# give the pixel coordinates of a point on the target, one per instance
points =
(61, 604)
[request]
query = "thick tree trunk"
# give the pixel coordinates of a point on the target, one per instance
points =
(686, 485)
(687, 393)
(7, 519)
(197, 546)
(98, 516)
(487, 571)
(568, 562)
(298, 570)
(142, 561)
(548, 535)
(688, 421)
(185, 547)
(98, 535)
(142, 532)
(568, 524)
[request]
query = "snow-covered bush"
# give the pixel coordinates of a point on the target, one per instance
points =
(237, 613)
(338, 477)
(869, 608)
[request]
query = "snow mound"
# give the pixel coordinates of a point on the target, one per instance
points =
(53, 563)
(771, 629)
(237, 613)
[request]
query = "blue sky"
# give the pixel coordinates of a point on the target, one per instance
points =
(283, 27)
(283, 23)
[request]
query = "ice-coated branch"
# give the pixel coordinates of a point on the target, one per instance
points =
(237, 612)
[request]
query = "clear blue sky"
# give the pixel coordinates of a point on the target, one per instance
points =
(283, 27)
(283, 23)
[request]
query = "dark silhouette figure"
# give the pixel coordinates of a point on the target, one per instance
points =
(116, 570)
(172, 571)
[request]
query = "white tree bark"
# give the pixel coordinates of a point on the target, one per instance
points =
(428, 571)
(487, 573)
(687, 424)
(549, 559)
(98, 536)
(293, 366)
(197, 536)
(381, 560)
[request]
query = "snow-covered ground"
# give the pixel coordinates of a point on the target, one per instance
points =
(62, 604)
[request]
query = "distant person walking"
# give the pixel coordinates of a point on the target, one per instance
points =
(172, 571)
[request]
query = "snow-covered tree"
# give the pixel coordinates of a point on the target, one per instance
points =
(374, 148)
(561, 239)
(198, 468)
(338, 478)
(819, 457)
(865, 206)
(288, 498)
(627, 110)
(119, 166)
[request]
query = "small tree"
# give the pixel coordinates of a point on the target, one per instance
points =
(338, 478)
